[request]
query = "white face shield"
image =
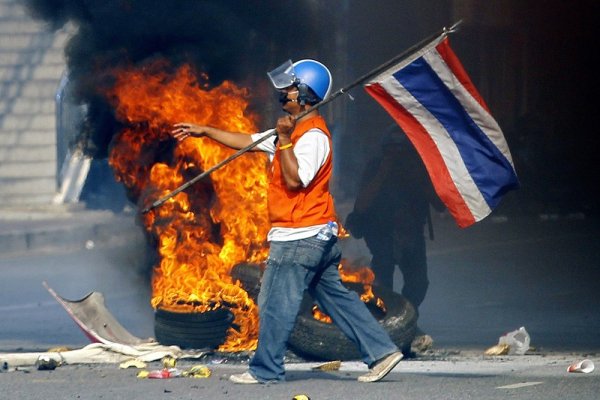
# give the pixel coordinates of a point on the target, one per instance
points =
(283, 76)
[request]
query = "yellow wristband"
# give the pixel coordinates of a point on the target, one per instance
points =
(285, 146)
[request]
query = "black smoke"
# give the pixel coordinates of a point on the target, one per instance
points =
(534, 76)
(226, 39)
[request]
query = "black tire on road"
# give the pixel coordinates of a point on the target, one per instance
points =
(249, 276)
(313, 339)
(192, 330)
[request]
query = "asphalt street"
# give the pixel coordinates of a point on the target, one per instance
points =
(460, 377)
(540, 273)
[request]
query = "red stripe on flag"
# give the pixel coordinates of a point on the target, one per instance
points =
(430, 154)
(459, 71)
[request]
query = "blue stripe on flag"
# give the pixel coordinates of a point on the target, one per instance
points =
(490, 170)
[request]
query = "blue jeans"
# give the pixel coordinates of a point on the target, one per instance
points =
(293, 267)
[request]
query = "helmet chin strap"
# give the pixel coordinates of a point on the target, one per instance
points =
(304, 95)
(284, 99)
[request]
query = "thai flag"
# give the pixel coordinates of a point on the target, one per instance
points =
(464, 150)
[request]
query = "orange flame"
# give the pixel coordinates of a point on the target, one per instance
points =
(354, 274)
(201, 233)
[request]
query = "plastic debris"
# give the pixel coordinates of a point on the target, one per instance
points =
(328, 366)
(133, 363)
(515, 342)
(497, 350)
(143, 374)
(165, 373)
(169, 362)
(518, 341)
(197, 371)
(583, 366)
(300, 397)
(175, 372)
(46, 363)
(159, 374)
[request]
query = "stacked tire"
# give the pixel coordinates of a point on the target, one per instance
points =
(316, 340)
(310, 338)
(192, 330)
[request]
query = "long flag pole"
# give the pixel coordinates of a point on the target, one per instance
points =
(405, 54)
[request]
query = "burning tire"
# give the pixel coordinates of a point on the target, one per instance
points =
(249, 276)
(318, 340)
(321, 341)
(192, 330)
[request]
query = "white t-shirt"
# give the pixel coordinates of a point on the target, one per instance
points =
(311, 151)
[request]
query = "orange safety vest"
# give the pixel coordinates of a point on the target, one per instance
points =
(312, 205)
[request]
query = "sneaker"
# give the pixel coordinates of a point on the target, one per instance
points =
(381, 368)
(246, 378)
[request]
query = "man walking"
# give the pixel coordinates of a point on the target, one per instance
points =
(303, 252)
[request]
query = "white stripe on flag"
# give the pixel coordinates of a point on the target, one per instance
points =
(450, 154)
(401, 64)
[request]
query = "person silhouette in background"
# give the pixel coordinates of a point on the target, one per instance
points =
(390, 212)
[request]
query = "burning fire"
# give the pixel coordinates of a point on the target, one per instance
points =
(352, 274)
(201, 233)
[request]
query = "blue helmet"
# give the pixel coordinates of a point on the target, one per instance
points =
(304, 74)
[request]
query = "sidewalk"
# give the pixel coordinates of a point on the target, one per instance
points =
(52, 228)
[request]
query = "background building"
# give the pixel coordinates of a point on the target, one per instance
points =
(527, 58)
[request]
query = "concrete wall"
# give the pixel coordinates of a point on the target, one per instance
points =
(31, 65)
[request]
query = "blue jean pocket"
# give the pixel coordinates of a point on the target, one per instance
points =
(310, 252)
